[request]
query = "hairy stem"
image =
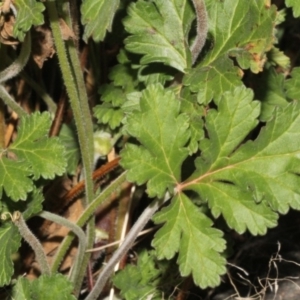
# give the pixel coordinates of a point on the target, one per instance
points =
(10, 102)
(78, 99)
(81, 238)
(36, 246)
(85, 138)
(90, 231)
(89, 211)
(201, 30)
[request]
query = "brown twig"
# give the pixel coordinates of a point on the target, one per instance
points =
(99, 173)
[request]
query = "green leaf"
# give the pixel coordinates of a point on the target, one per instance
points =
(188, 231)
(292, 84)
(34, 154)
(46, 287)
(31, 207)
(113, 95)
(14, 178)
(195, 111)
(295, 6)
(109, 112)
(139, 281)
(163, 133)
(277, 57)
(247, 183)
(123, 76)
(34, 204)
(269, 89)
(10, 241)
(21, 290)
(97, 17)
(45, 155)
(159, 31)
(29, 14)
(240, 29)
(154, 73)
(58, 284)
(214, 80)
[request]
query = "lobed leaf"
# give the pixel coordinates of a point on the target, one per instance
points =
(141, 280)
(240, 29)
(31, 207)
(21, 290)
(33, 204)
(269, 89)
(14, 178)
(188, 231)
(97, 17)
(163, 133)
(45, 155)
(159, 31)
(195, 112)
(39, 288)
(247, 183)
(292, 85)
(29, 14)
(295, 6)
(277, 57)
(10, 241)
(33, 154)
(113, 95)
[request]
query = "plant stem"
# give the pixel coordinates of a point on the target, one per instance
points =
(82, 93)
(90, 230)
(202, 28)
(81, 237)
(89, 211)
(125, 246)
(10, 102)
(33, 242)
(78, 99)
(80, 115)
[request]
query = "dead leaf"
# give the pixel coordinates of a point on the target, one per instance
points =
(66, 32)
(6, 30)
(43, 46)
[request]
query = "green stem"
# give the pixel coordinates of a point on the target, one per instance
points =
(90, 231)
(81, 89)
(10, 102)
(81, 237)
(82, 95)
(81, 272)
(89, 211)
(80, 115)
(33, 242)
